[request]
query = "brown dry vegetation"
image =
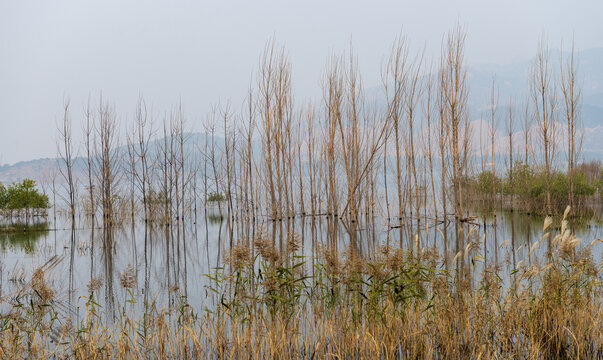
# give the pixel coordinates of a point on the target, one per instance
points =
(324, 160)
(394, 306)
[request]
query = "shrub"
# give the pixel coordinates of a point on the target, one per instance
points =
(22, 196)
(215, 196)
(483, 181)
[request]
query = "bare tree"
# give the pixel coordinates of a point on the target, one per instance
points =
(510, 125)
(351, 136)
(130, 170)
(526, 125)
(88, 139)
(571, 89)
(395, 77)
(210, 127)
(455, 94)
(166, 162)
(310, 116)
(107, 160)
(251, 124)
(428, 109)
(269, 128)
(333, 97)
(443, 143)
(143, 132)
(544, 100)
(361, 138)
(412, 95)
(66, 151)
(229, 143)
(494, 98)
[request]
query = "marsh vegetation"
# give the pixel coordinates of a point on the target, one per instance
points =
(349, 227)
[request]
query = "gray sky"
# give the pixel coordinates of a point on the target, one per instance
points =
(202, 52)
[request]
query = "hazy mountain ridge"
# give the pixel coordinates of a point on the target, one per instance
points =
(43, 170)
(511, 82)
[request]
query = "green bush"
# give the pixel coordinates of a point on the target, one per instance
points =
(559, 185)
(3, 196)
(484, 180)
(215, 196)
(531, 182)
(522, 178)
(22, 196)
(581, 185)
(537, 186)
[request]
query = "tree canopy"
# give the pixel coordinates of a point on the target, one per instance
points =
(21, 196)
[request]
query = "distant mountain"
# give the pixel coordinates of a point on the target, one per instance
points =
(43, 170)
(32, 169)
(511, 81)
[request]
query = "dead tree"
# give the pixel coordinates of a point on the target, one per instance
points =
(107, 160)
(143, 132)
(66, 152)
(210, 126)
(130, 170)
(229, 143)
(428, 110)
(412, 95)
(455, 94)
(395, 76)
(88, 139)
(544, 100)
(493, 126)
(571, 89)
(333, 101)
(527, 131)
(510, 124)
(275, 110)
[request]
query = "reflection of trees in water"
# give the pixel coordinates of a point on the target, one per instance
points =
(72, 250)
(108, 253)
(22, 236)
(526, 227)
(523, 228)
(172, 254)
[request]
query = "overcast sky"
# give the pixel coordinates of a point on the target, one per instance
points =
(201, 52)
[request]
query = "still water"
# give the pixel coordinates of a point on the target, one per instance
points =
(168, 266)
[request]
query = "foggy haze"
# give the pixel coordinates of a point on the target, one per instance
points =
(201, 52)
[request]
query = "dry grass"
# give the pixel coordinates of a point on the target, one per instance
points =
(394, 306)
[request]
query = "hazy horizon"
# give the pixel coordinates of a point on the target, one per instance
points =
(202, 53)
